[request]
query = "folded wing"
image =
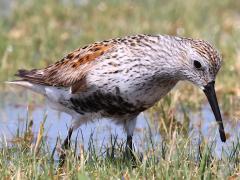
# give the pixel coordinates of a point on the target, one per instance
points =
(70, 70)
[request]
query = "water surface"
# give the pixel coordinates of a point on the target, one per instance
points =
(16, 108)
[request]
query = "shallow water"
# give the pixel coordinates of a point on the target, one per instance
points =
(14, 112)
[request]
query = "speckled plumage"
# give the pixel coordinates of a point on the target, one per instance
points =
(119, 78)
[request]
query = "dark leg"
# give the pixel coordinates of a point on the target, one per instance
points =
(129, 142)
(66, 145)
(129, 127)
(129, 149)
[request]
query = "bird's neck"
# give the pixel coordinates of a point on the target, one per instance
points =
(166, 55)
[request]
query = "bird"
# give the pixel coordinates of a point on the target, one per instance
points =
(121, 77)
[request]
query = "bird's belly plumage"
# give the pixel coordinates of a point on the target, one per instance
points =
(105, 103)
(121, 100)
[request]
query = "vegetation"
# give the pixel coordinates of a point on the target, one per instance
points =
(177, 157)
(34, 34)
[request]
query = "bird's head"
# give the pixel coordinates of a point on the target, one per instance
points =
(202, 63)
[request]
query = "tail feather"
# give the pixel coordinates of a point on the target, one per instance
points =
(30, 79)
(22, 73)
(32, 76)
(38, 88)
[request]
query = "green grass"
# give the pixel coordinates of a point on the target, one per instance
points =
(37, 33)
(176, 157)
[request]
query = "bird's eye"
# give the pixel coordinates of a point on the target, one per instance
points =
(197, 64)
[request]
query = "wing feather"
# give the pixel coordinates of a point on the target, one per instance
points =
(70, 70)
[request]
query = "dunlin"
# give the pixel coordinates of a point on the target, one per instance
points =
(119, 78)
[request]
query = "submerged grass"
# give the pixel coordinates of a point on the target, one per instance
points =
(35, 34)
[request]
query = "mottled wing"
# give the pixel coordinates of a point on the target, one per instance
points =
(69, 71)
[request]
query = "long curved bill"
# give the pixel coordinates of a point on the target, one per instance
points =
(209, 91)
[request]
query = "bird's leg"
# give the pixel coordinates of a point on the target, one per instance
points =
(66, 145)
(129, 142)
(130, 126)
(129, 149)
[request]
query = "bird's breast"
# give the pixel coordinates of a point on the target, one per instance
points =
(147, 94)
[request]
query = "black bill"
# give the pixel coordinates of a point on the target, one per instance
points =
(209, 90)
